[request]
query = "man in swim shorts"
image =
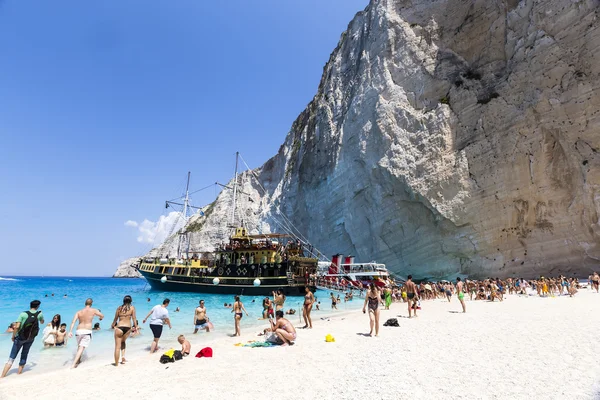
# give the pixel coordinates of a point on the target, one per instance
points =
(461, 294)
(411, 295)
(200, 320)
(83, 334)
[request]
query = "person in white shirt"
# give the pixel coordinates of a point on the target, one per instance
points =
(159, 316)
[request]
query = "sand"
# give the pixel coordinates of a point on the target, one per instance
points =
(522, 348)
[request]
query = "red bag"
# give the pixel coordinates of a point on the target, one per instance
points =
(205, 352)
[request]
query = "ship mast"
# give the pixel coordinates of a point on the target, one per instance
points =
(235, 178)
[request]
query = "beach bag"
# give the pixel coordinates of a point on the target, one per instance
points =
(205, 352)
(167, 357)
(31, 327)
(177, 355)
(273, 338)
(391, 322)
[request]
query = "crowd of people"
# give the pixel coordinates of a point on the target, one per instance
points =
(125, 324)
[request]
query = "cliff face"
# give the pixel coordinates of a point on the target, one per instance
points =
(447, 137)
(127, 269)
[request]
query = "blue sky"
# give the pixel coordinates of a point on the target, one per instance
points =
(105, 106)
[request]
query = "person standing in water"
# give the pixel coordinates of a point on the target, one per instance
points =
(24, 332)
(309, 299)
(461, 293)
(279, 300)
(411, 295)
(125, 318)
(372, 299)
(83, 334)
(238, 307)
(159, 315)
(200, 320)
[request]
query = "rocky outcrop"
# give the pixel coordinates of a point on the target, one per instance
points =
(127, 269)
(447, 137)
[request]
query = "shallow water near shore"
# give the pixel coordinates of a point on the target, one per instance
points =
(107, 293)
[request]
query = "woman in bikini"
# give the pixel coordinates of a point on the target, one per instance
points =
(278, 299)
(237, 308)
(124, 316)
(373, 299)
(309, 299)
(283, 328)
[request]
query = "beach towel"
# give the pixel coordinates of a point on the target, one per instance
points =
(258, 344)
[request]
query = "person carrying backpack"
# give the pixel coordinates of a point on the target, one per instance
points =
(27, 327)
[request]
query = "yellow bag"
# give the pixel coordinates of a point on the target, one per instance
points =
(329, 338)
(169, 353)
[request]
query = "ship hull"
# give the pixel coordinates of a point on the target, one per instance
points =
(206, 285)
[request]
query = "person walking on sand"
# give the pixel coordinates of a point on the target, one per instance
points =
(238, 307)
(25, 330)
(309, 299)
(461, 293)
(411, 295)
(125, 318)
(83, 334)
(200, 320)
(372, 299)
(159, 315)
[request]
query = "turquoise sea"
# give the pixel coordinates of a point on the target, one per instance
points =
(107, 293)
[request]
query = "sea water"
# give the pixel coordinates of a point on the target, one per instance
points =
(66, 295)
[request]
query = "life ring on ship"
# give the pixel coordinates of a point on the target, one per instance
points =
(220, 271)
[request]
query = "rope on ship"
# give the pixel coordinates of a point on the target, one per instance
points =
(287, 225)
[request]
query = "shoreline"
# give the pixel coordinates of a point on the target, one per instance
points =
(524, 347)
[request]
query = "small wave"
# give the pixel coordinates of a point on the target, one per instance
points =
(69, 280)
(8, 279)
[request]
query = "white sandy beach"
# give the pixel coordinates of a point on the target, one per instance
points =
(522, 348)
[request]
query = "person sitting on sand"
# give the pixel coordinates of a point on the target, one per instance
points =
(283, 328)
(186, 346)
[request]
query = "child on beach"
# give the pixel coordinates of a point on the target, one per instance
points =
(186, 346)
(61, 336)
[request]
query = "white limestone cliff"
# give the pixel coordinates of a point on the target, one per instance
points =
(127, 269)
(447, 137)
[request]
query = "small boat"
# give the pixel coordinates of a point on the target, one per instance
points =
(350, 274)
